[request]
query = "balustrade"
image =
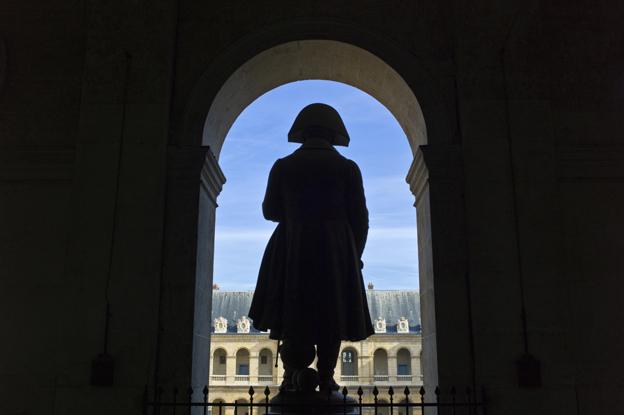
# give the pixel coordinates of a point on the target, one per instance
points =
(265, 378)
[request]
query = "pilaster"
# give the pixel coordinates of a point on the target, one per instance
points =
(230, 370)
(193, 183)
(253, 367)
(436, 180)
(212, 177)
(392, 366)
(417, 176)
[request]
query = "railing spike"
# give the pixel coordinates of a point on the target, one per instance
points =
(475, 399)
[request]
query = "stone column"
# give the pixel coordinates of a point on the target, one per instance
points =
(194, 180)
(436, 180)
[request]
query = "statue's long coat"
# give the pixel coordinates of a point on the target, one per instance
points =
(310, 284)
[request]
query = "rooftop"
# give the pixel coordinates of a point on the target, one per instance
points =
(388, 304)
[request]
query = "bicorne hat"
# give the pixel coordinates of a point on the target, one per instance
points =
(319, 118)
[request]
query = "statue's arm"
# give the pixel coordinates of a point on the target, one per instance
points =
(358, 213)
(272, 204)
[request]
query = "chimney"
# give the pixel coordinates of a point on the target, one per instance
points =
(370, 286)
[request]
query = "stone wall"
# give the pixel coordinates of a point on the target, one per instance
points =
(522, 182)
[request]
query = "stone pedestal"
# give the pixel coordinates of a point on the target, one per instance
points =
(296, 403)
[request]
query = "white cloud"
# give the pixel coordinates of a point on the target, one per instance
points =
(254, 235)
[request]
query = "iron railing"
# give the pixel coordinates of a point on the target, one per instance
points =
(450, 402)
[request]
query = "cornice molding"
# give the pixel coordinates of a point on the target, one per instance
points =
(434, 163)
(417, 176)
(212, 177)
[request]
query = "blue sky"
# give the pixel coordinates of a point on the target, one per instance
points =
(378, 145)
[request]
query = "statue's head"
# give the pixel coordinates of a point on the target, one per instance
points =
(319, 121)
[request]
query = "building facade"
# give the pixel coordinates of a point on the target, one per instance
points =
(242, 356)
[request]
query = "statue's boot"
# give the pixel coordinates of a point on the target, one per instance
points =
(327, 353)
(287, 381)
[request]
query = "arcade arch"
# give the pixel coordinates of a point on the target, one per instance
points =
(242, 364)
(217, 409)
(219, 362)
(242, 407)
(380, 365)
(404, 364)
(265, 365)
(349, 363)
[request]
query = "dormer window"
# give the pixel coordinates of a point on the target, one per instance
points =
(380, 325)
(242, 325)
(403, 325)
(220, 325)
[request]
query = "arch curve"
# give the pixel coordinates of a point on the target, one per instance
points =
(219, 362)
(395, 69)
(308, 59)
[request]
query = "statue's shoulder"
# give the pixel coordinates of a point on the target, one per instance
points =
(352, 164)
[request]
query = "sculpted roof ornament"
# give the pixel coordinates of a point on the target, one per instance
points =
(243, 324)
(380, 325)
(220, 325)
(403, 325)
(391, 304)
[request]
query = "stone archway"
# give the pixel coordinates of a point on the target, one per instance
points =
(302, 60)
(308, 59)
(209, 119)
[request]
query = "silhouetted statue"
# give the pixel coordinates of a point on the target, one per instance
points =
(310, 289)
